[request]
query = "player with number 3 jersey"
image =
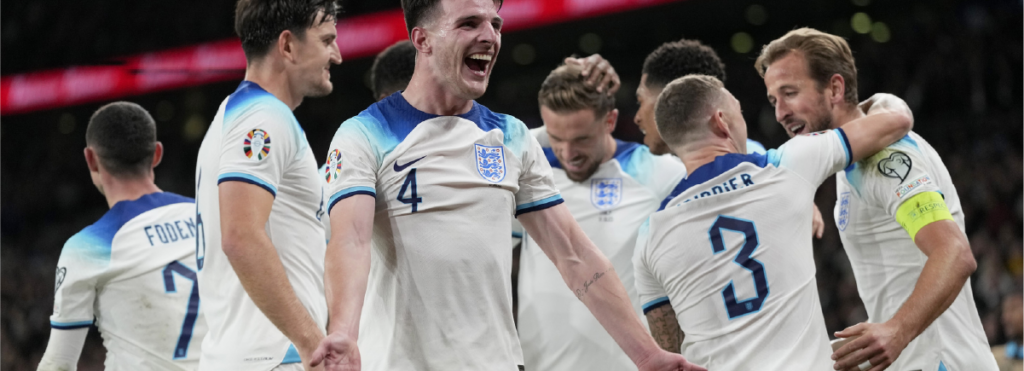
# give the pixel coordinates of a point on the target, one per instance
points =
(726, 270)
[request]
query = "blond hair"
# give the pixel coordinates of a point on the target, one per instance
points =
(564, 90)
(684, 107)
(826, 55)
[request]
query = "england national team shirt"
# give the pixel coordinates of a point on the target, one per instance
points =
(557, 330)
(732, 255)
(255, 139)
(887, 263)
(134, 271)
(446, 187)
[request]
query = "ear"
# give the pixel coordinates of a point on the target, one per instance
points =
(91, 160)
(719, 127)
(610, 119)
(837, 89)
(158, 154)
(286, 45)
(418, 37)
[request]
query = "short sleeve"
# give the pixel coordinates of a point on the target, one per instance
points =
(650, 292)
(82, 262)
(536, 186)
(352, 164)
(814, 156)
(894, 175)
(258, 146)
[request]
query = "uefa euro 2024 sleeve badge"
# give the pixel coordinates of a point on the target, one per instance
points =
(490, 162)
(333, 168)
(605, 193)
(256, 145)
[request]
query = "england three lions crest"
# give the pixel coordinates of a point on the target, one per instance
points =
(605, 193)
(490, 162)
(844, 211)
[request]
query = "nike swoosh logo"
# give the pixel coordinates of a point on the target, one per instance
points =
(399, 168)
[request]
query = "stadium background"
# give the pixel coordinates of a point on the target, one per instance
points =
(958, 64)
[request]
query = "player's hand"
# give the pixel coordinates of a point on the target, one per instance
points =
(817, 223)
(880, 343)
(885, 102)
(666, 361)
(337, 352)
(598, 72)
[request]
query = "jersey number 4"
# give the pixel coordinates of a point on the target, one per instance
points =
(743, 258)
(181, 348)
(410, 186)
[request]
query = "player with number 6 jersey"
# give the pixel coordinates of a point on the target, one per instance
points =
(134, 270)
(726, 270)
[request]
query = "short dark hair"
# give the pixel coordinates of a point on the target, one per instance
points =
(676, 59)
(565, 90)
(417, 11)
(684, 106)
(123, 135)
(260, 22)
(393, 69)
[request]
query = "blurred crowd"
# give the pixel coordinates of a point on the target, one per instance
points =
(958, 64)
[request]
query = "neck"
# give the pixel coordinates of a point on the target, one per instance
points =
(612, 147)
(845, 113)
(426, 94)
(117, 190)
(697, 154)
(271, 76)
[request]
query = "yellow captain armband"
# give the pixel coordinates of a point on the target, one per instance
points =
(921, 210)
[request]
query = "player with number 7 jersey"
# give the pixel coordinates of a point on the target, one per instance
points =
(728, 264)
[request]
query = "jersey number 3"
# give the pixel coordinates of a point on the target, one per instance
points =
(750, 243)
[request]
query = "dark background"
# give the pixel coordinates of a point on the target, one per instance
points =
(958, 64)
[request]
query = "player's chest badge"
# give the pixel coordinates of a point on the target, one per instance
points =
(605, 193)
(490, 162)
(844, 210)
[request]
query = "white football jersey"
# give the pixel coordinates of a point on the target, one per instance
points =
(447, 187)
(134, 271)
(255, 139)
(887, 263)
(556, 329)
(732, 255)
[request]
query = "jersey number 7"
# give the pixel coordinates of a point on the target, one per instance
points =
(743, 258)
(181, 348)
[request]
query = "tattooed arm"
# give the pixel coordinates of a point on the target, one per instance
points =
(591, 277)
(665, 328)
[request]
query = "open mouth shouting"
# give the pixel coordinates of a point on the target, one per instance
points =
(479, 63)
(797, 127)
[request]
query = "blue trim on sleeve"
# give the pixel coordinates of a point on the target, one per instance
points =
(291, 356)
(720, 165)
(246, 178)
(846, 146)
(70, 325)
(349, 192)
(653, 304)
(539, 205)
(516, 234)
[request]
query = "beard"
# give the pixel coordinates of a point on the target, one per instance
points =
(317, 88)
(585, 174)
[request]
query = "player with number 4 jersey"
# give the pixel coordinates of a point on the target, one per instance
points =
(134, 270)
(726, 270)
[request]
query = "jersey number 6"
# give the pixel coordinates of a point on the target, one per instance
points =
(743, 259)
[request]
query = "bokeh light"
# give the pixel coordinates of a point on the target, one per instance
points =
(861, 23)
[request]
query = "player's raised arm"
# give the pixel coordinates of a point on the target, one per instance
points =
(590, 276)
(346, 267)
(244, 210)
(885, 123)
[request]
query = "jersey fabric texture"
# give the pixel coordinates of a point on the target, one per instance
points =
(557, 330)
(134, 271)
(887, 263)
(732, 255)
(447, 187)
(255, 139)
